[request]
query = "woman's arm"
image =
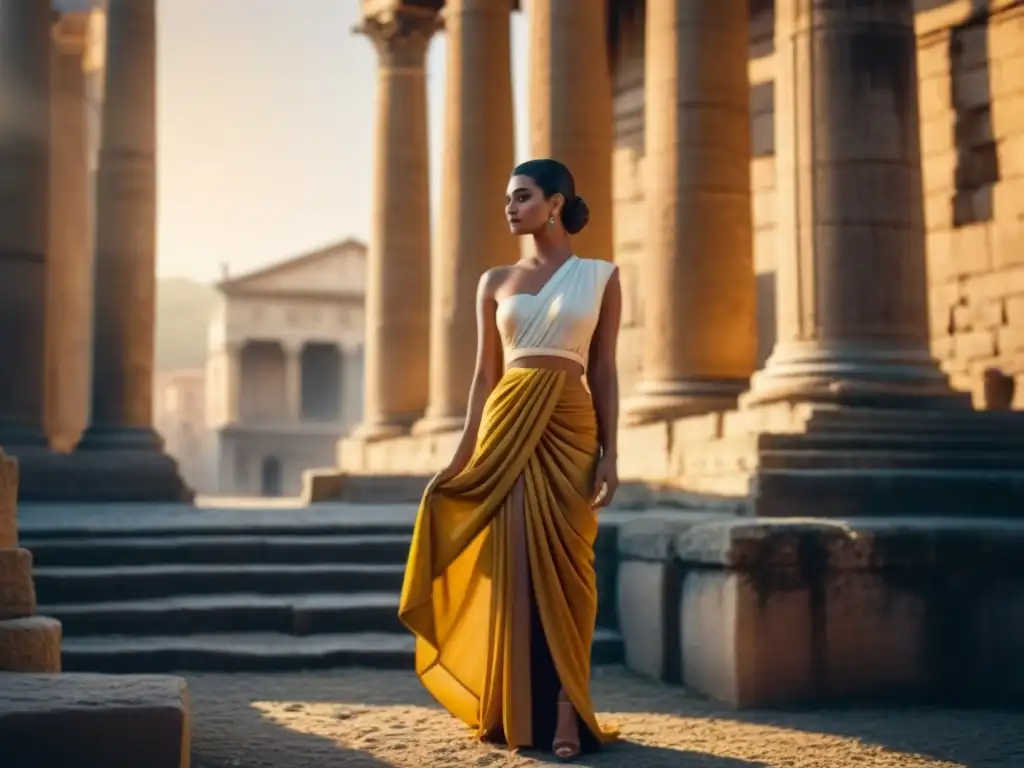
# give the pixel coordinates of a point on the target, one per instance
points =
(486, 374)
(603, 377)
(602, 372)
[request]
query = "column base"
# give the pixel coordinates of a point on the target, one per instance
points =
(107, 467)
(13, 437)
(854, 375)
(435, 425)
(104, 437)
(832, 461)
(666, 400)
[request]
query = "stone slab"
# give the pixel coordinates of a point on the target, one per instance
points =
(647, 590)
(30, 645)
(803, 612)
(852, 544)
(17, 592)
(94, 721)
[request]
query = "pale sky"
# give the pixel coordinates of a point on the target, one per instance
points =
(266, 129)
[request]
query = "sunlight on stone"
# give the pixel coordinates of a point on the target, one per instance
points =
(409, 735)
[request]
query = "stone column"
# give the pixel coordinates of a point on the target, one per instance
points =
(125, 281)
(852, 295)
(571, 117)
(293, 381)
(398, 263)
(697, 278)
(479, 150)
(232, 394)
(70, 262)
(24, 218)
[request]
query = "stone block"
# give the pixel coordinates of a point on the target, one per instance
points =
(8, 501)
(741, 647)
(17, 592)
(647, 591)
(805, 611)
(978, 317)
(30, 645)
(94, 721)
(322, 485)
(994, 285)
(1008, 115)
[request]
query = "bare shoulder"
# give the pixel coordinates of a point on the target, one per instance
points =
(492, 280)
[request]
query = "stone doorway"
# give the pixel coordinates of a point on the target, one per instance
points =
(270, 476)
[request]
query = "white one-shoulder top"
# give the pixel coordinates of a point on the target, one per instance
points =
(560, 319)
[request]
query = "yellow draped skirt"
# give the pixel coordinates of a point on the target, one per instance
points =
(500, 589)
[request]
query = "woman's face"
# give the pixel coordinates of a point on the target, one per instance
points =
(525, 207)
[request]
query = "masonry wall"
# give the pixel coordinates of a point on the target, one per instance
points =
(971, 71)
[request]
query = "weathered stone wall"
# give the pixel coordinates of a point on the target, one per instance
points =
(971, 71)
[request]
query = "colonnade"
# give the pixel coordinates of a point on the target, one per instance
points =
(78, 232)
(851, 289)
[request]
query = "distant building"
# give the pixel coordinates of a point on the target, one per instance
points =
(179, 415)
(284, 376)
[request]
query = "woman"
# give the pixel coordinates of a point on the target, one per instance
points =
(500, 588)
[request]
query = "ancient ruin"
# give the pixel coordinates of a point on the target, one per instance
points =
(28, 643)
(818, 214)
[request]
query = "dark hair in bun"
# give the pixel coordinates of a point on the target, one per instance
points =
(554, 178)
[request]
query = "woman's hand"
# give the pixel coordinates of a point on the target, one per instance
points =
(606, 481)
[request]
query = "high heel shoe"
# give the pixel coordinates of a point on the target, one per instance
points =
(566, 750)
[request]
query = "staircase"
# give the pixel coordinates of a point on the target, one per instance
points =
(158, 588)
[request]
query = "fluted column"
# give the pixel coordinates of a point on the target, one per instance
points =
(479, 149)
(852, 296)
(697, 281)
(125, 281)
(70, 257)
(571, 117)
(24, 217)
(398, 263)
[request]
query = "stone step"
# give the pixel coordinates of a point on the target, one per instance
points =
(251, 652)
(236, 549)
(300, 614)
(75, 584)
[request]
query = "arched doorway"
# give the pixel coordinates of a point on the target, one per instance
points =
(270, 476)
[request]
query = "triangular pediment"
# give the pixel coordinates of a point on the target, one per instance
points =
(336, 269)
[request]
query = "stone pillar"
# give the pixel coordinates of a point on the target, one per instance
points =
(28, 643)
(697, 281)
(852, 295)
(24, 218)
(479, 150)
(70, 262)
(571, 117)
(232, 382)
(293, 382)
(125, 281)
(398, 263)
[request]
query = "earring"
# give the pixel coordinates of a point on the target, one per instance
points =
(551, 222)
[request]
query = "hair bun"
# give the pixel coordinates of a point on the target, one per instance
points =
(575, 215)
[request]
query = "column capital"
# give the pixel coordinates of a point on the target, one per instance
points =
(401, 36)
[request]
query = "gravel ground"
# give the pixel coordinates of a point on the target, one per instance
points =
(373, 719)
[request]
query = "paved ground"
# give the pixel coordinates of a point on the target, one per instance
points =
(364, 719)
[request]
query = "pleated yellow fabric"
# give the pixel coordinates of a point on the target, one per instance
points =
(458, 597)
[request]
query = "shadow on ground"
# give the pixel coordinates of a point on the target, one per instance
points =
(366, 718)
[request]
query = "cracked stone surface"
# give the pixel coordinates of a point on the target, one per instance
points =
(367, 719)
